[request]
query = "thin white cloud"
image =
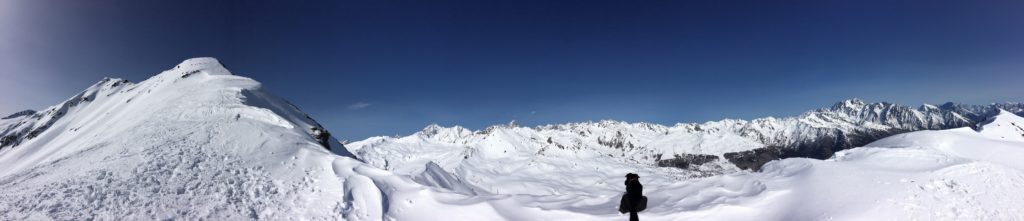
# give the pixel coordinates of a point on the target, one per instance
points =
(358, 105)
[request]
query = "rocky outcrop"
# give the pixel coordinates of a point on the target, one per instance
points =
(19, 114)
(687, 161)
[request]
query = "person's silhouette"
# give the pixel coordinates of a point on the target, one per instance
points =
(634, 193)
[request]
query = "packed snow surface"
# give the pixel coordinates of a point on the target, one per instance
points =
(196, 142)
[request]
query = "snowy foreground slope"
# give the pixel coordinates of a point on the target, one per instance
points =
(195, 142)
(956, 174)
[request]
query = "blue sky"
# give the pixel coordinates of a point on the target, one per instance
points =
(367, 68)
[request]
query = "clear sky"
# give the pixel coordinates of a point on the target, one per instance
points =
(382, 67)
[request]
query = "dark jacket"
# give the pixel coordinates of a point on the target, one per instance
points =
(634, 191)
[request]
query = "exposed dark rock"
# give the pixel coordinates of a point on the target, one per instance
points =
(8, 140)
(753, 159)
(36, 132)
(687, 161)
(822, 142)
(19, 114)
(821, 148)
(190, 73)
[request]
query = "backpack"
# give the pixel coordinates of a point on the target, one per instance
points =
(642, 205)
(624, 204)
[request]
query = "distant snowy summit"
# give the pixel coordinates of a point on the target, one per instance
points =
(702, 146)
(208, 65)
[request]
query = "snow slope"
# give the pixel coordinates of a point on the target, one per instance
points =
(198, 143)
(174, 146)
(1003, 127)
(193, 142)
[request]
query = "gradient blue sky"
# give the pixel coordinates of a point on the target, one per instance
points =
(367, 68)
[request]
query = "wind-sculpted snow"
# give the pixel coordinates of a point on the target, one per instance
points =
(956, 174)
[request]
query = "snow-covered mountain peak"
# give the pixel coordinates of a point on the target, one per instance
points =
(208, 65)
(431, 129)
(509, 126)
(928, 107)
(854, 101)
(849, 104)
(857, 107)
(950, 105)
(192, 142)
(444, 134)
(197, 88)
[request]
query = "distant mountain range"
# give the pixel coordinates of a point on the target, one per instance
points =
(740, 143)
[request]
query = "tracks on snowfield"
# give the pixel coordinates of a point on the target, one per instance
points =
(170, 173)
(957, 193)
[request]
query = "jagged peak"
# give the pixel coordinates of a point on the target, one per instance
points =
(435, 126)
(435, 129)
(928, 107)
(852, 103)
(949, 105)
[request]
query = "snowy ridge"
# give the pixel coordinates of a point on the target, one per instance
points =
(177, 135)
(1004, 127)
(192, 142)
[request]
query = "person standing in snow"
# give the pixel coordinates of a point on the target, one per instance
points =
(634, 200)
(322, 136)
